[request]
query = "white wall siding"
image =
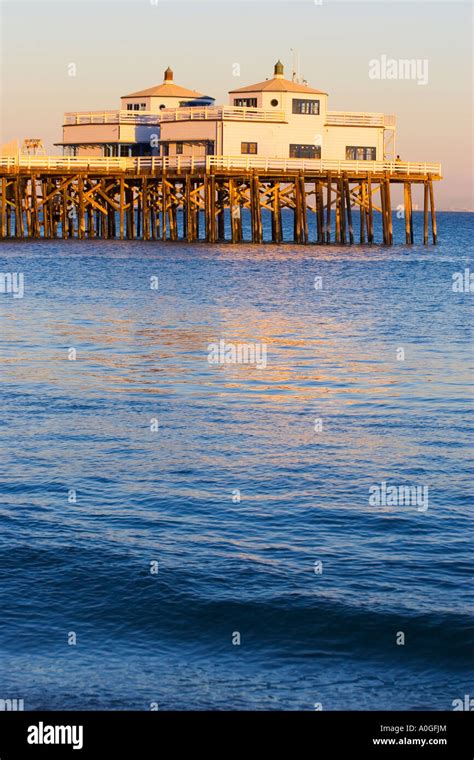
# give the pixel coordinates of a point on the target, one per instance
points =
(152, 103)
(337, 138)
(90, 133)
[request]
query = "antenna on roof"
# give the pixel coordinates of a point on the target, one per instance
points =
(295, 74)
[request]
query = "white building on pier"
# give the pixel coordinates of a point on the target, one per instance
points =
(276, 118)
(134, 129)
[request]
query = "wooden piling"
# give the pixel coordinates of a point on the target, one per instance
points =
(8, 211)
(255, 209)
(303, 209)
(3, 211)
(425, 212)
(370, 215)
(433, 211)
(212, 209)
(328, 209)
(362, 211)
(406, 212)
(342, 210)
(145, 210)
(189, 210)
(319, 212)
(35, 211)
(388, 207)
(220, 213)
(18, 209)
(349, 209)
(276, 214)
(164, 207)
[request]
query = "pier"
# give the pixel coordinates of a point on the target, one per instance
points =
(203, 198)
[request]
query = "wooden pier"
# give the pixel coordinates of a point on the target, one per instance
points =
(205, 199)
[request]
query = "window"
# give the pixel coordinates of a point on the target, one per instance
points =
(124, 150)
(306, 106)
(305, 151)
(245, 102)
(355, 153)
(142, 106)
(129, 106)
(274, 102)
(179, 149)
(162, 106)
(249, 148)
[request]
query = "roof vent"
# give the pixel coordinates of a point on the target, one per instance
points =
(168, 75)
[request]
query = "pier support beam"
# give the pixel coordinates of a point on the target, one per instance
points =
(328, 209)
(167, 204)
(370, 212)
(433, 211)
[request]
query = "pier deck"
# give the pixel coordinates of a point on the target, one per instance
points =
(144, 198)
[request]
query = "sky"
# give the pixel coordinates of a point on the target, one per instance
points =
(119, 46)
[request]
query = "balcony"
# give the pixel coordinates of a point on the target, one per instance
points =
(218, 113)
(111, 117)
(360, 119)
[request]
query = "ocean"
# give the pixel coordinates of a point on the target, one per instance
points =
(180, 534)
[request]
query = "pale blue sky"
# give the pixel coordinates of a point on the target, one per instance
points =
(119, 47)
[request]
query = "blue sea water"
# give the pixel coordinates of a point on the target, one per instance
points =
(81, 563)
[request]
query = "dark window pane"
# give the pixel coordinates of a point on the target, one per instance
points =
(310, 107)
(360, 153)
(305, 151)
(245, 102)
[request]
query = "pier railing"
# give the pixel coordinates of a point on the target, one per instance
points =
(321, 165)
(215, 163)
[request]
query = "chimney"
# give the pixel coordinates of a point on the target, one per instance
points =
(168, 75)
